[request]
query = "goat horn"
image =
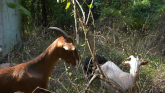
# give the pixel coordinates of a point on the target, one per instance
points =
(62, 32)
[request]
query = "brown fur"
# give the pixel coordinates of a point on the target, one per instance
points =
(27, 76)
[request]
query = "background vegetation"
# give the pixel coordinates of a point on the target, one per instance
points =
(123, 28)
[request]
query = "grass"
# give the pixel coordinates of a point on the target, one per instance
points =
(112, 44)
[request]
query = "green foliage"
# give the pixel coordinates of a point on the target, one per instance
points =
(62, 17)
(140, 13)
(56, 14)
(67, 6)
(111, 12)
(17, 6)
(136, 13)
(90, 6)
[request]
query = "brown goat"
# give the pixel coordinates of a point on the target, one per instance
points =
(27, 76)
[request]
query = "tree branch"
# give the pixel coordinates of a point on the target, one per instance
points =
(110, 82)
(47, 91)
(86, 37)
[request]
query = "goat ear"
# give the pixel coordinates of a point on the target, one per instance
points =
(68, 45)
(124, 63)
(69, 39)
(144, 63)
(137, 57)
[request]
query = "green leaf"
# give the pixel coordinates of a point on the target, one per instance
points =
(83, 44)
(11, 5)
(19, 7)
(90, 5)
(66, 69)
(67, 6)
(162, 66)
(86, 29)
(2, 5)
(49, 77)
(70, 73)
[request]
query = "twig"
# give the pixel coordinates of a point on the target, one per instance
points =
(113, 84)
(89, 13)
(89, 64)
(81, 10)
(75, 19)
(62, 85)
(58, 80)
(87, 86)
(148, 52)
(110, 82)
(29, 54)
(86, 37)
(138, 47)
(133, 88)
(42, 89)
(74, 85)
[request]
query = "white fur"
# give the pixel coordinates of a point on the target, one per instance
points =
(114, 73)
(67, 48)
(124, 79)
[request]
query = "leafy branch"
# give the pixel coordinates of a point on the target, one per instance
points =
(17, 6)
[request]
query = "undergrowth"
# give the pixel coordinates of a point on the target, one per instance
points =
(112, 41)
(124, 28)
(114, 46)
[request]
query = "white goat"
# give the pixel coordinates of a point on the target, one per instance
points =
(124, 79)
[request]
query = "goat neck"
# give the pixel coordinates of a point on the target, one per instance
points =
(47, 59)
(134, 64)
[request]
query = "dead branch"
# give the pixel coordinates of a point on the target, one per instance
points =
(85, 32)
(113, 84)
(47, 91)
(87, 86)
(110, 82)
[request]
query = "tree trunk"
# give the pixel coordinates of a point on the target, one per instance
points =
(44, 14)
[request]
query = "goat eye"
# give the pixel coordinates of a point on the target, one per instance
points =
(126, 59)
(129, 58)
